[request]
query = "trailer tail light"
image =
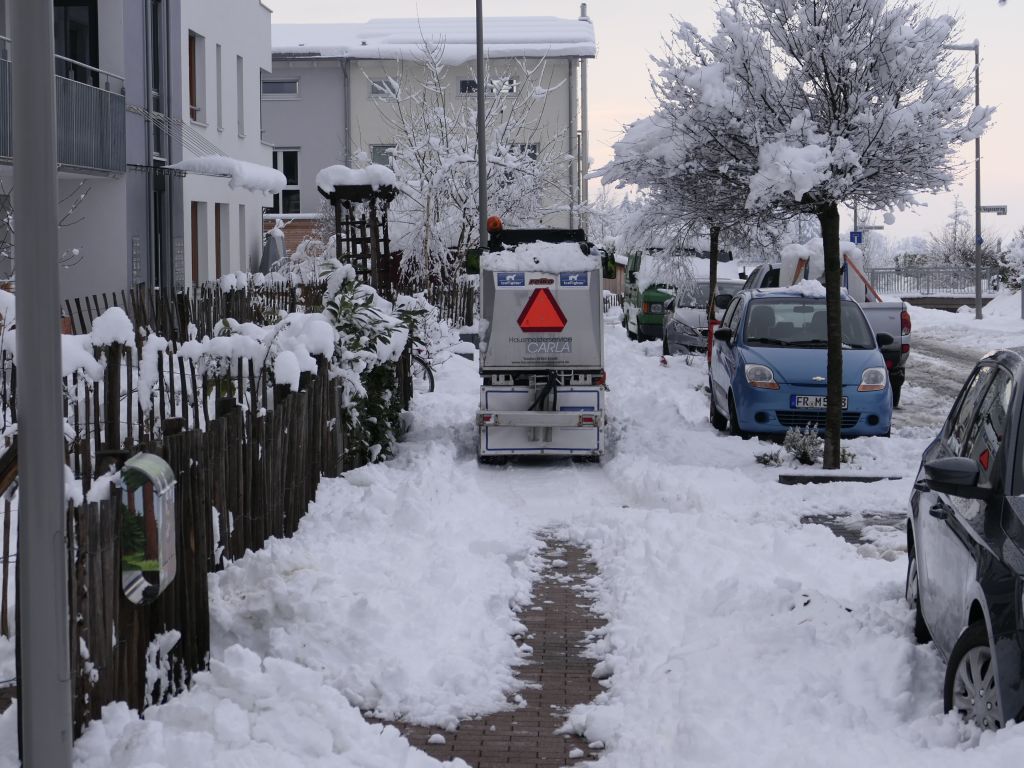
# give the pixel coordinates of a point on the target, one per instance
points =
(905, 348)
(905, 324)
(889, 364)
(588, 421)
(601, 379)
(486, 418)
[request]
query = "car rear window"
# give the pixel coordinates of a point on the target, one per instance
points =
(800, 322)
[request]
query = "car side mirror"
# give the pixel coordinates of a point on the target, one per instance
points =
(957, 476)
(884, 339)
(722, 301)
(724, 334)
(148, 535)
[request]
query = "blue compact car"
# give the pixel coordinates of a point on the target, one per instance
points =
(769, 363)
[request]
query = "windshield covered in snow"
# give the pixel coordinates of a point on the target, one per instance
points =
(800, 322)
(695, 293)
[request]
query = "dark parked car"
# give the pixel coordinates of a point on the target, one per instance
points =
(965, 542)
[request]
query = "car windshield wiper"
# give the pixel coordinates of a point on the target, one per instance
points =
(766, 340)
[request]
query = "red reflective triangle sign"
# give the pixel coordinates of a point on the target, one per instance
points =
(542, 313)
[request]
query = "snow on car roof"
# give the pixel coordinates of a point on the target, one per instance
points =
(808, 289)
(504, 37)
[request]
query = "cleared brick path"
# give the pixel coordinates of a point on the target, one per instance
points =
(559, 678)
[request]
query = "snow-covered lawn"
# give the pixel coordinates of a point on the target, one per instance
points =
(737, 635)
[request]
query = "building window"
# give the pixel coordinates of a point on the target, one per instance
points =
(220, 91)
(76, 38)
(281, 89)
(505, 85)
(380, 154)
(197, 77)
(240, 65)
(287, 162)
(384, 90)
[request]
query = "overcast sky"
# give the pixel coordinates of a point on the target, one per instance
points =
(629, 32)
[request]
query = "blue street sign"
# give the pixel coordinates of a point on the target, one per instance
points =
(979, 240)
(856, 238)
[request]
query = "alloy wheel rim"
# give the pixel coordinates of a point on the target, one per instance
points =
(974, 689)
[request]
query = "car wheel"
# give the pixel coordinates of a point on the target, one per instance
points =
(970, 687)
(630, 335)
(913, 595)
(734, 422)
(718, 421)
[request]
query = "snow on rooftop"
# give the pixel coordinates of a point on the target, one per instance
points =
(504, 37)
(243, 174)
(375, 176)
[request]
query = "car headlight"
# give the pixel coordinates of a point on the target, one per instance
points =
(657, 309)
(873, 380)
(760, 376)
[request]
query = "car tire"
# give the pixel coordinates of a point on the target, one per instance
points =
(718, 421)
(630, 335)
(912, 592)
(734, 422)
(970, 687)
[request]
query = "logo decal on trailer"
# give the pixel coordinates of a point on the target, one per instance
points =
(574, 279)
(511, 279)
(542, 313)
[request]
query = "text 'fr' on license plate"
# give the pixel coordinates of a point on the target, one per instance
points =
(810, 401)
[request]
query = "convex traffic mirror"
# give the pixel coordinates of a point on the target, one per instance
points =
(148, 538)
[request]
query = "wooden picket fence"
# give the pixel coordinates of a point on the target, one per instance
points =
(171, 313)
(245, 477)
(247, 457)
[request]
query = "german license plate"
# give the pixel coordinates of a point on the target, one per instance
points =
(811, 401)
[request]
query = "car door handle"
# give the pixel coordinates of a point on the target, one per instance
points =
(938, 511)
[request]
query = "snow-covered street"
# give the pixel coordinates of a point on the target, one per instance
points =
(736, 634)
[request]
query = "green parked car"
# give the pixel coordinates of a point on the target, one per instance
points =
(643, 312)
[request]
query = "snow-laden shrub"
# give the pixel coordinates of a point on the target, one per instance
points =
(769, 458)
(804, 444)
(371, 335)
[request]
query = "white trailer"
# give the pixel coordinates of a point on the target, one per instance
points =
(541, 349)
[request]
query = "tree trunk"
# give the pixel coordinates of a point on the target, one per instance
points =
(828, 215)
(713, 280)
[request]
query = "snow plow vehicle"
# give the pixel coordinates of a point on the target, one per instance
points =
(541, 347)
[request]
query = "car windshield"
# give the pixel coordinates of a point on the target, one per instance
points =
(695, 294)
(800, 322)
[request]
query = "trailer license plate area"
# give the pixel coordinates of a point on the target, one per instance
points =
(818, 402)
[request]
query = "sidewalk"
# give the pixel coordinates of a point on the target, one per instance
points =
(558, 677)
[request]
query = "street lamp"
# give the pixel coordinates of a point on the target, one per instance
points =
(976, 47)
(481, 124)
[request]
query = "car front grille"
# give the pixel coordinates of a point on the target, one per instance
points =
(816, 419)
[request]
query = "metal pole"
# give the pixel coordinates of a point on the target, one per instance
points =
(44, 708)
(977, 187)
(481, 121)
(855, 222)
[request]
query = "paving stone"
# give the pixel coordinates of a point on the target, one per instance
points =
(558, 626)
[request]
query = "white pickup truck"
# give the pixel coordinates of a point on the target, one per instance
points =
(891, 317)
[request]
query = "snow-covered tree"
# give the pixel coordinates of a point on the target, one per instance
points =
(435, 220)
(827, 102)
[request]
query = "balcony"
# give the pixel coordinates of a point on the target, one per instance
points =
(90, 116)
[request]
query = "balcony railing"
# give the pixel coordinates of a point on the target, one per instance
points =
(90, 115)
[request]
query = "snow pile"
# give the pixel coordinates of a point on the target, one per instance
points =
(245, 711)
(373, 175)
(396, 586)
(403, 39)
(244, 175)
(540, 257)
(112, 327)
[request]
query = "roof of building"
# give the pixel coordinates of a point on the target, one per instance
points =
(395, 39)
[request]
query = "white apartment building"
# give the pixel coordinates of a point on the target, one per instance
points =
(328, 98)
(225, 52)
